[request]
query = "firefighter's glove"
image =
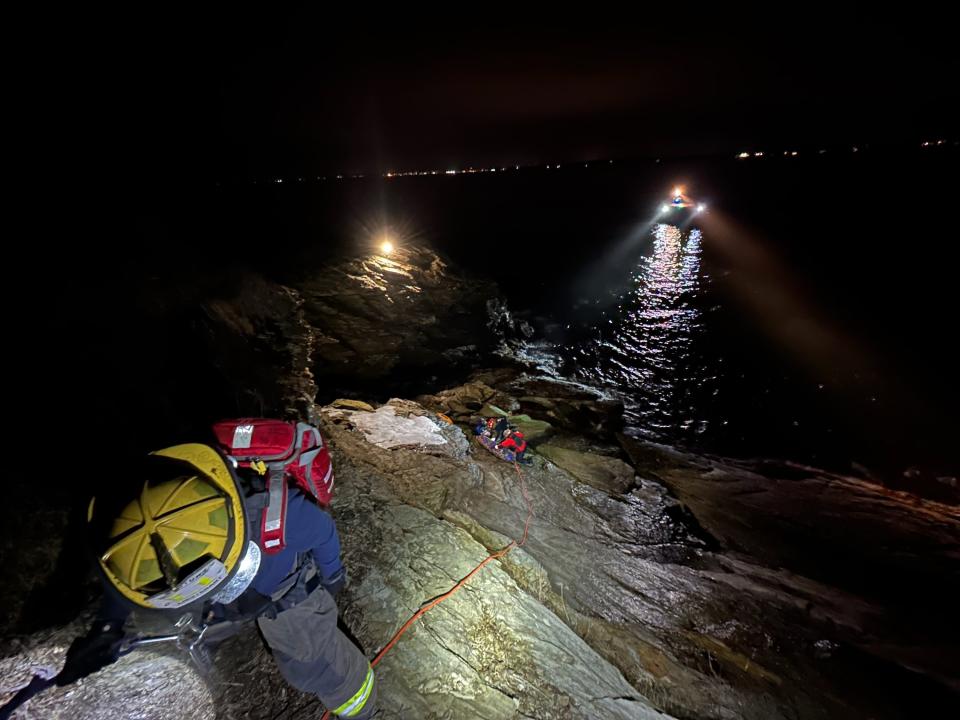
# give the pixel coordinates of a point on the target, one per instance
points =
(86, 655)
(336, 582)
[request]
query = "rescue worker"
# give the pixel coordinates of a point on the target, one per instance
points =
(514, 440)
(500, 429)
(189, 541)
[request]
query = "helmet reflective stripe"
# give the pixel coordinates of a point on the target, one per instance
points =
(195, 586)
(355, 704)
(249, 565)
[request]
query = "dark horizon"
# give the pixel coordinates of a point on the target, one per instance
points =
(237, 96)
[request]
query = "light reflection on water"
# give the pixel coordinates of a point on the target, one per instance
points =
(645, 344)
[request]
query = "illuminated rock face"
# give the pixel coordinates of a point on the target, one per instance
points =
(621, 604)
(651, 581)
(374, 315)
(670, 605)
(359, 322)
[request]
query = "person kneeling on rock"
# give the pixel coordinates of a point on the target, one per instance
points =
(514, 441)
(484, 427)
(218, 538)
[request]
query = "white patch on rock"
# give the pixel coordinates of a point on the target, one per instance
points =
(386, 429)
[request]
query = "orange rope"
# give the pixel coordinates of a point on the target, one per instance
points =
(466, 578)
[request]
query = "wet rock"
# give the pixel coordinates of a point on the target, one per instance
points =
(610, 475)
(566, 405)
(638, 585)
(388, 430)
(468, 401)
(488, 411)
(156, 683)
(400, 423)
(895, 549)
(346, 404)
(552, 388)
(495, 377)
(491, 651)
(494, 650)
(374, 314)
(505, 324)
(618, 604)
(265, 321)
(535, 431)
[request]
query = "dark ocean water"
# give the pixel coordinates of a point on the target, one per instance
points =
(809, 315)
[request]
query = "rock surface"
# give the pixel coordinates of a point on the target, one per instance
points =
(373, 315)
(619, 604)
(896, 549)
(651, 584)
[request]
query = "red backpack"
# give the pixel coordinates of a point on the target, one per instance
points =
(281, 451)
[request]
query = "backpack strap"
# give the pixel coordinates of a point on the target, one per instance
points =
(273, 531)
(267, 511)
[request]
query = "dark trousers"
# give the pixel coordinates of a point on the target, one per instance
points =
(313, 655)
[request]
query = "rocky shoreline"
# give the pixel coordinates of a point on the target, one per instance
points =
(653, 583)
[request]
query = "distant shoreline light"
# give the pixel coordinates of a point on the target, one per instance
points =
(743, 155)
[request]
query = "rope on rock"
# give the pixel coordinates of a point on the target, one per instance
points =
(463, 581)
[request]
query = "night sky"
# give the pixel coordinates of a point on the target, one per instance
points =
(131, 113)
(234, 95)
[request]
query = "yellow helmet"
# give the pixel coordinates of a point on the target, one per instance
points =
(184, 538)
